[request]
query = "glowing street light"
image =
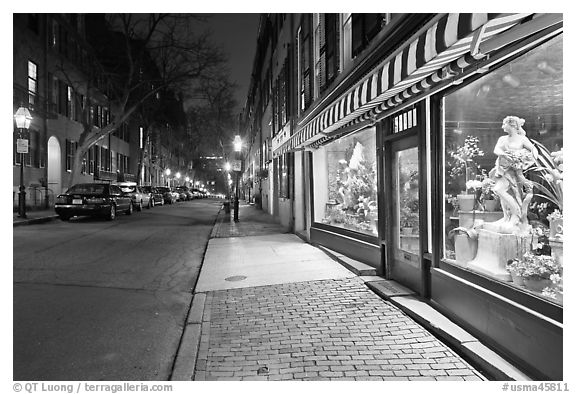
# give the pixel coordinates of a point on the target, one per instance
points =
(238, 150)
(168, 172)
(23, 120)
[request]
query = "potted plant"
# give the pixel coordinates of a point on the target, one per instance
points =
(467, 202)
(464, 158)
(488, 198)
(516, 269)
(537, 270)
(408, 222)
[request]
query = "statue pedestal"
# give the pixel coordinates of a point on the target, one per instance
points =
(494, 251)
(467, 218)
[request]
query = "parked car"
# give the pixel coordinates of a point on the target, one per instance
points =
(139, 198)
(185, 193)
(156, 198)
(169, 198)
(93, 199)
(197, 193)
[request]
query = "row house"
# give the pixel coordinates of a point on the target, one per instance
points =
(370, 134)
(58, 78)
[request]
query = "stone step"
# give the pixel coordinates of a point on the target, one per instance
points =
(359, 268)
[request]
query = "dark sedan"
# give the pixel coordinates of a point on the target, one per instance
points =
(93, 199)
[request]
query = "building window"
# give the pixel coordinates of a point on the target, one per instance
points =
(70, 104)
(327, 54)
(503, 173)
(32, 83)
(284, 172)
(34, 23)
(364, 28)
(91, 159)
(345, 183)
(71, 147)
(54, 34)
(305, 62)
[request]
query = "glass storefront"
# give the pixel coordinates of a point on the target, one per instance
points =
(503, 173)
(345, 183)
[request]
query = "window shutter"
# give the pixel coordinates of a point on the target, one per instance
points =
(321, 44)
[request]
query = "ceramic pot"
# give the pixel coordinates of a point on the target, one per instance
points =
(466, 202)
(491, 205)
(517, 279)
(537, 284)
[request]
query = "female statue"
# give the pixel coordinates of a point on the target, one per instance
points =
(515, 154)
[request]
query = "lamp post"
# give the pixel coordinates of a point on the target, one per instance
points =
(167, 172)
(178, 177)
(238, 150)
(23, 120)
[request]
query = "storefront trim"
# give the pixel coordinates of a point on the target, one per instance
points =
(445, 41)
(358, 246)
(529, 339)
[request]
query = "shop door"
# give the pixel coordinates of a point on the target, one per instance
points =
(404, 182)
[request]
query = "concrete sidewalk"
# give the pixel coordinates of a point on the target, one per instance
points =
(269, 306)
(34, 216)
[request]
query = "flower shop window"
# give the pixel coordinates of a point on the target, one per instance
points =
(503, 173)
(345, 183)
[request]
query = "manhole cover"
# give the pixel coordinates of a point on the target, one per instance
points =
(235, 278)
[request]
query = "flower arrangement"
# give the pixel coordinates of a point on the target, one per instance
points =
(518, 160)
(556, 215)
(488, 190)
(409, 219)
(538, 266)
(473, 186)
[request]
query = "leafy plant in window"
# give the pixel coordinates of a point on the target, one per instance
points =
(355, 189)
(461, 163)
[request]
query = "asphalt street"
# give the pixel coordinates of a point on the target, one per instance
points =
(100, 300)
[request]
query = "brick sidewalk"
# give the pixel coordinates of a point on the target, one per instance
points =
(318, 330)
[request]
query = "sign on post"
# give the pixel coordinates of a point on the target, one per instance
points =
(21, 146)
(237, 165)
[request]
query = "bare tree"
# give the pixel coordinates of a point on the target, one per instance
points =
(143, 55)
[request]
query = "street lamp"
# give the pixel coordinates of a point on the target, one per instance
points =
(167, 172)
(238, 150)
(23, 120)
(178, 177)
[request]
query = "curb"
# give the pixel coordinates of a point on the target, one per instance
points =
(185, 363)
(35, 221)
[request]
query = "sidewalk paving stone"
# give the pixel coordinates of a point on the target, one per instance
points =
(236, 318)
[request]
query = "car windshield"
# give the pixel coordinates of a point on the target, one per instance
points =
(128, 189)
(162, 189)
(87, 189)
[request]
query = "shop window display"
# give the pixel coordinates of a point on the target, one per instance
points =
(348, 197)
(503, 174)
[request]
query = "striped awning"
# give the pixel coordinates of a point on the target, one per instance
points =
(419, 64)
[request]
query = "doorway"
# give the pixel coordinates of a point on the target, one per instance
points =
(403, 181)
(54, 166)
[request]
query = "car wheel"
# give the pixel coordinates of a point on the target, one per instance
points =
(112, 213)
(139, 206)
(64, 218)
(130, 209)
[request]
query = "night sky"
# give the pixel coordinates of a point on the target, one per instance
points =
(237, 34)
